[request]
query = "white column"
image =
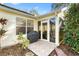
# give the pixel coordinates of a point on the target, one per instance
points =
(41, 31)
(26, 28)
(57, 31)
(48, 30)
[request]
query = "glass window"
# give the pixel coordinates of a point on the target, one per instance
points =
(30, 25)
(20, 25)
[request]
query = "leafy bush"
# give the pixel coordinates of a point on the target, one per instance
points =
(72, 27)
(25, 42)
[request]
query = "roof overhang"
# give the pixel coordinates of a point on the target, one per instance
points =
(26, 14)
(48, 15)
(15, 11)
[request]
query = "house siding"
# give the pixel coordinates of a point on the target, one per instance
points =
(10, 37)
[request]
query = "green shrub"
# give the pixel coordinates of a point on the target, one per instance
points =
(71, 27)
(25, 42)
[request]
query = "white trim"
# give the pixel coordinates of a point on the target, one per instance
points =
(57, 31)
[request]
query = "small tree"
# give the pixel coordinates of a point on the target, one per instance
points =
(72, 26)
(55, 6)
(34, 12)
(3, 22)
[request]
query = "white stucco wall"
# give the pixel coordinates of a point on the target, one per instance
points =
(10, 36)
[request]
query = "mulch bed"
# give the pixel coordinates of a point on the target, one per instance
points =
(66, 49)
(15, 50)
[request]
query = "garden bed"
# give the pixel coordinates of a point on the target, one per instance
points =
(67, 50)
(15, 50)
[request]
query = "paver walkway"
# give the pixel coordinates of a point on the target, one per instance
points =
(42, 48)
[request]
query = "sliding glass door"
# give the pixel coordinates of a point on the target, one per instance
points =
(52, 30)
(44, 29)
(48, 30)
